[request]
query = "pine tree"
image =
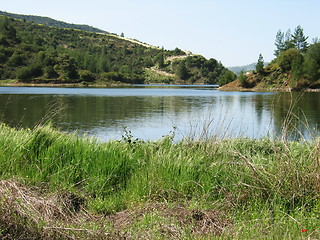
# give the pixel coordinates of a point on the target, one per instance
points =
(260, 64)
(288, 43)
(279, 43)
(299, 39)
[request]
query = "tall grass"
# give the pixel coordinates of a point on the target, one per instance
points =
(266, 186)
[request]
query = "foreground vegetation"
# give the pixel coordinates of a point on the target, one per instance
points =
(59, 186)
(34, 53)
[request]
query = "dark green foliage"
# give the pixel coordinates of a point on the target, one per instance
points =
(16, 59)
(225, 77)
(178, 52)
(260, 64)
(160, 60)
(86, 76)
(25, 74)
(66, 68)
(297, 67)
(279, 43)
(51, 22)
(49, 72)
(286, 58)
(299, 40)
(297, 64)
(312, 62)
(286, 41)
(37, 53)
(182, 71)
(243, 79)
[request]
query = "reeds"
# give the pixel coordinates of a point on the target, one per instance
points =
(262, 184)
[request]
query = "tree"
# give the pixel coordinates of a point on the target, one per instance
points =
(312, 62)
(225, 77)
(299, 40)
(243, 79)
(287, 57)
(86, 75)
(288, 40)
(279, 43)
(160, 60)
(260, 64)
(283, 42)
(66, 68)
(182, 71)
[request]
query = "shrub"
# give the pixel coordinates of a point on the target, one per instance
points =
(49, 72)
(111, 76)
(243, 79)
(25, 74)
(2, 57)
(287, 57)
(86, 75)
(16, 59)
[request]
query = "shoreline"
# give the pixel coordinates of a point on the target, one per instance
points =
(224, 88)
(262, 87)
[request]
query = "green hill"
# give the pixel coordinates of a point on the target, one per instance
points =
(37, 53)
(52, 22)
(296, 66)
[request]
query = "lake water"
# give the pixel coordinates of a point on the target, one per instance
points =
(151, 112)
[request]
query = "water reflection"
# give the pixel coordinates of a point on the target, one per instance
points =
(153, 112)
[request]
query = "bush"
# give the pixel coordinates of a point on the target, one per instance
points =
(16, 59)
(25, 74)
(2, 57)
(87, 76)
(49, 72)
(243, 79)
(111, 76)
(287, 57)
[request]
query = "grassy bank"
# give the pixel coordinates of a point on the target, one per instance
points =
(59, 186)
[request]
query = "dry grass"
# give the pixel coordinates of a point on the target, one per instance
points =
(28, 214)
(172, 221)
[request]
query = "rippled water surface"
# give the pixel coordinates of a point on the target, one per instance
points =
(150, 112)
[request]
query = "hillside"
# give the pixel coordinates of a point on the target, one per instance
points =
(34, 53)
(52, 22)
(295, 68)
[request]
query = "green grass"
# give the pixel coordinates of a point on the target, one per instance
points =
(263, 189)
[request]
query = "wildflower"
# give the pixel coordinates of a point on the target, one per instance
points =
(303, 230)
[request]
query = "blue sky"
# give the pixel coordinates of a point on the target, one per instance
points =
(233, 32)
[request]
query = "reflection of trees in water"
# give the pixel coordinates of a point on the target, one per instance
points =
(296, 114)
(84, 112)
(29, 110)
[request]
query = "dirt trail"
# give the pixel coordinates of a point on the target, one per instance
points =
(160, 72)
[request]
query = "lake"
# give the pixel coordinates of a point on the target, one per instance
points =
(150, 112)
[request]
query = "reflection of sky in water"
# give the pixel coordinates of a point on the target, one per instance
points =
(150, 113)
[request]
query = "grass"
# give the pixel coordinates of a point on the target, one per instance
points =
(60, 186)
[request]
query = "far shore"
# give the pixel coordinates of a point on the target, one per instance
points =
(262, 87)
(226, 88)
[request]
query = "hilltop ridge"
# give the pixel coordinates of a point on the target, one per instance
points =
(52, 22)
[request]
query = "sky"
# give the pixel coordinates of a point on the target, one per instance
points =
(234, 32)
